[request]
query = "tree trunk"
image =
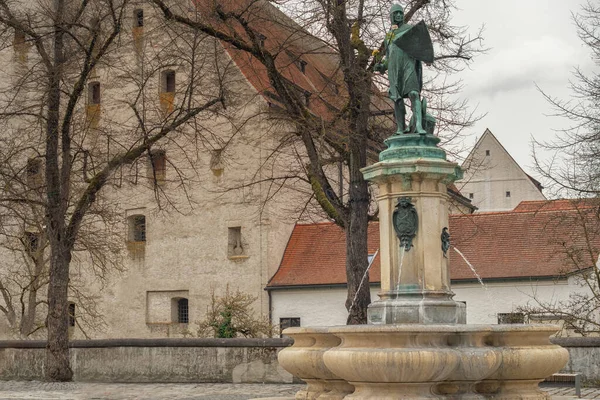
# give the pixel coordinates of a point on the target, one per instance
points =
(359, 295)
(57, 190)
(57, 350)
(29, 313)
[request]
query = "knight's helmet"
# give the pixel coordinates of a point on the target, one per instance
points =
(394, 8)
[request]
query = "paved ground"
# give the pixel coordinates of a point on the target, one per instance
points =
(130, 391)
(182, 391)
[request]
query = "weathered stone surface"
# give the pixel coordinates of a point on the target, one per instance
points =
(415, 284)
(305, 360)
(94, 361)
(431, 361)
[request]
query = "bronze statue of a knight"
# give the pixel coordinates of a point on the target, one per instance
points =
(406, 48)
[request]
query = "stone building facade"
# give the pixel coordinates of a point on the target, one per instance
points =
(205, 209)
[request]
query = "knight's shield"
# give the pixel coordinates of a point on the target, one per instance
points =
(416, 42)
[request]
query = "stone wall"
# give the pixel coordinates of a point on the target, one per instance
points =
(154, 360)
(584, 357)
(203, 360)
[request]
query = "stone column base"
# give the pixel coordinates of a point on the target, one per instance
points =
(416, 311)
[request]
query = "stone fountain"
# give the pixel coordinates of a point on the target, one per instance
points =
(416, 344)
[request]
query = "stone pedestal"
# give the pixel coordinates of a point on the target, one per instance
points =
(415, 284)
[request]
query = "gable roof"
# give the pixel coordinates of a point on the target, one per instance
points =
(488, 133)
(529, 243)
(310, 64)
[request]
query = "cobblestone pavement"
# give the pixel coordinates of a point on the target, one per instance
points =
(586, 393)
(182, 391)
(145, 391)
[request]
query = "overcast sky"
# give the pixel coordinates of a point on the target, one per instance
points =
(531, 42)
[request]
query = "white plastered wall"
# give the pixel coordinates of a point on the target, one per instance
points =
(325, 306)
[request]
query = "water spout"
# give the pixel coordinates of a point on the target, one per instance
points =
(402, 251)
(472, 268)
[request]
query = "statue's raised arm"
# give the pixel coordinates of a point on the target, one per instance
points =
(406, 48)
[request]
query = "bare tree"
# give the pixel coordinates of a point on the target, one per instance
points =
(573, 234)
(574, 167)
(343, 122)
(570, 164)
(72, 149)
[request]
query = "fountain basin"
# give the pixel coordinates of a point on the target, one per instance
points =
(427, 361)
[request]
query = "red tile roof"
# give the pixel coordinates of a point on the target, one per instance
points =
(515, 244)
(322, 77)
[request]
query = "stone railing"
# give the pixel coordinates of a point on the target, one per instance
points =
(154, 360)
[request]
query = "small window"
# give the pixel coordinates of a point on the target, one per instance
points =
(471, 196)
(21, 46)
(487, 152)
(288, 323)
(183, 316)
(301, 66)
(511, 318)
(138, 18)
(261, 39)
(508, 193)
(33, 172)
(71, 314)
(32, 240)
(137, 228)
(158, 166)
(19, 39)
(306, 99)
(216, 163)
(94, 93)
(235, 245)
(370, 258)
(168, 81)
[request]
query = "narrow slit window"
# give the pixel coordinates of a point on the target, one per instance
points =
(168, 81)
(302, 66)
(32, 241)
(94, 92)
(158, 166)
(487, 152)
(306, 99)
(72, 314)
(137, 228)
(508, 193)
(261, 39)
(33, 172)
(138, 18)
(21, 46)
(471, 196)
